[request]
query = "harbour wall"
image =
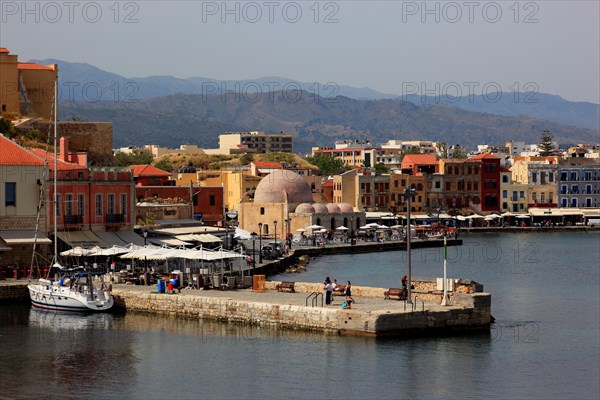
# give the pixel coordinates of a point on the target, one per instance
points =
(469, 312)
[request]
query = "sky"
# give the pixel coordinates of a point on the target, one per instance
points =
(437, 48)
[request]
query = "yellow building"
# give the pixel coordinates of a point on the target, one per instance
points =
(539, 174)
(285, 196)
(398, 185)
(236, 186)
(513, 195)
(345, 188)
(26, 88)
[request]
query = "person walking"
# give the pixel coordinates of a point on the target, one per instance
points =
(328, 289)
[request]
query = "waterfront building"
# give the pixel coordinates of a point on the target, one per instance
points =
(460, 184)
(21, 175)
(540, 176)
(148, 175)
(578, 182)
(513, 194)
(490, 182)
(399, 183)
(420, 163)
(345, 188)
(373, 191)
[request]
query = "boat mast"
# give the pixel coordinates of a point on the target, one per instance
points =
(55, 172)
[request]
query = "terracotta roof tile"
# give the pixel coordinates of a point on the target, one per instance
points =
(486, 156)
(328, 183)
(267, 164)
(13, 154)
(420, 159)
(147, 170)
(4, 50)
(30, 66)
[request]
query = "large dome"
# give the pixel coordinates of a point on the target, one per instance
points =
(332, 208)
(281, 186)
(304, 208)
(320, 208)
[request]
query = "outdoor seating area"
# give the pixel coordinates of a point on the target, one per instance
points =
(399, 293)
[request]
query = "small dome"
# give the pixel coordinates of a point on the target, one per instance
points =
(345, 207)
(281, 186)
(305, 208)
(320, 208)
(333, 208)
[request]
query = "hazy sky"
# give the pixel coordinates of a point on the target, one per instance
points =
(390, 46)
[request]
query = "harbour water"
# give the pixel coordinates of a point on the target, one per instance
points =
(545, 343)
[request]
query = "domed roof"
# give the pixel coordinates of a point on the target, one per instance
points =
(320, 208)
(274, 187)
(332, 208)
(305, 208)
(345, 207)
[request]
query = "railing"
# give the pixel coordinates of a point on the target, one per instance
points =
(314, 298)
(115, 218)
(73, 219)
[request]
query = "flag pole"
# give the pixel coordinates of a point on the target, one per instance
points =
(444, 299)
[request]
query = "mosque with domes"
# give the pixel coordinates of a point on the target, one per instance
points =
(284, 195)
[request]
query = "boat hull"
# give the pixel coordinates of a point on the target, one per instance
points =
(50, 297)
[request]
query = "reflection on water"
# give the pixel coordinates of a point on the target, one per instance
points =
(545, 344)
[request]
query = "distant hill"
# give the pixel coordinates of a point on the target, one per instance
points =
(313, 120)
(84, 82)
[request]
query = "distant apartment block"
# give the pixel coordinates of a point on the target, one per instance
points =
(26, 88)
(254, 142)
(352, 153)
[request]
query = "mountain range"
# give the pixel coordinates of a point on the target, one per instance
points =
(169, 111)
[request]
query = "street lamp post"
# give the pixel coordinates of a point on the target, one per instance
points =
(253, 235)
(260, 225)
(287, 233)
(408, 194)
(145, 257)
(275, 229)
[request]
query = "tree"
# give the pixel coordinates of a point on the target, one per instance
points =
(458, 153)
(164, 165)
(381, 168)
(327, 164)
(546, 145)
(246, 159)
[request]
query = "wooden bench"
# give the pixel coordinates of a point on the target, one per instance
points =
(395, 292)
(340, 290)
(286, 286)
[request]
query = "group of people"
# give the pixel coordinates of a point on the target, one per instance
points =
(330, 287)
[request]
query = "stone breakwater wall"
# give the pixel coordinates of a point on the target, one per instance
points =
(469, 312)
(230, 310)
(15, 293)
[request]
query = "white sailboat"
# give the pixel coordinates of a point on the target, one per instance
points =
(72, 291)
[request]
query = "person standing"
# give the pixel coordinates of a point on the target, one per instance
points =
(328, 290)
(348, 293)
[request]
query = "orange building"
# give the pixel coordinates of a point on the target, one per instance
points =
(26, 88)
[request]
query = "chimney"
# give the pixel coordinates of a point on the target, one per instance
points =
(64, 149)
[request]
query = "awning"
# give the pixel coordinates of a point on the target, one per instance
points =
(130, 237)
(4, 246)
(23, 237)
(168, 241)
(111, 239)
(202, 238)
(120, 238)
(189, 230)
(85, 239)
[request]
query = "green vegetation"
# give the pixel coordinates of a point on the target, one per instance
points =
(545, 145)
(327, 163)
(458, 152)
(381, 168)
(165, 165)
(126, 159)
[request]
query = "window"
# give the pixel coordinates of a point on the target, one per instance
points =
(543, 197)
(57, 203)
(543, 178)
(564, 176)
(438, 184)
(574, 202)
(475, 185)
(99, 205)
(505, 206)
(124, 203)
(563, 189)
(211, 200)
(81, 204)
(550, 197)
(69, 204)
(534, 177)
(504, 178)
(551, 177)
(448, 186)
(564, 203)
(522, 194)
(111, 204)
(534, 197)
(262, 211)
(396, 183)
(10, 194)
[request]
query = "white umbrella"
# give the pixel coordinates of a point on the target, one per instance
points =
(341, 228)
(315, 227)
(522, 216)
(488, 218)
(475, 216)
(397, 226)
(300, 230)
(461, 218)
(76, 252)
(494, 216)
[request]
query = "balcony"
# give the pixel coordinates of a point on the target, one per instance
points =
(72, 221)
(115, 219)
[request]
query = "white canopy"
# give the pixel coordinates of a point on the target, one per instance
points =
(242, 234)
(341, 228)
(76, 252)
